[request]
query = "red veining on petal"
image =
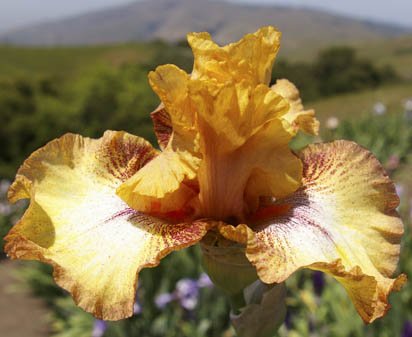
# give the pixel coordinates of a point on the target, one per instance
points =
(123, 213)
(190, 231)
(162, 124)
(123, 157)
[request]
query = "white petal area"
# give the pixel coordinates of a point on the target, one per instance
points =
(76, 222)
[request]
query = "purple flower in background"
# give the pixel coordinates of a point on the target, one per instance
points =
(204, 281)
(164, 299)
(288, 320)
(393, 162)
(407, 329)
(318, 279)
(187, 292)
(5, 209)
(99, 328)
(4, 186)
(137, 308)
(399, 189)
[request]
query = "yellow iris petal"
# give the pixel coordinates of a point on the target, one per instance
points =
(277, 172)
(230, 129)
(297, 117)
(249, 59)
(236, 133)
(242, 138)
(234, 112)
(75, 221)
(342, 221)
(171, 84)
(163, 184)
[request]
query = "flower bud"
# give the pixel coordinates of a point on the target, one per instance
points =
(227, 266)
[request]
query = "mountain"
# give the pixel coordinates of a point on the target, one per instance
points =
(171, 19)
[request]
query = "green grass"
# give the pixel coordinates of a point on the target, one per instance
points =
(396, 52)
(63, 61)
(57, 61)
(355, 105)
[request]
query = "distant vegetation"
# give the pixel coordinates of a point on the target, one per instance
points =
(336, 70)
(47, 92)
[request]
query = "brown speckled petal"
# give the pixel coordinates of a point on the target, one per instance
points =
(77, 223)
(342, 221)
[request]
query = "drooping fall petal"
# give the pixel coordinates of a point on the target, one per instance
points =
(77, 223)
(342, 221)
(297, 117)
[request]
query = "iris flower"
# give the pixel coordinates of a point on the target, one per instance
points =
(102, 209)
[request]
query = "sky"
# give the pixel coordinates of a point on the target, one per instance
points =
(16, 13)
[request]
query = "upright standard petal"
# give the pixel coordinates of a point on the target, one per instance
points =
(228, 147)
(297, 117)
(223, 132)
(77, 223)
(249, 59)
(171, 85)
(342, 221)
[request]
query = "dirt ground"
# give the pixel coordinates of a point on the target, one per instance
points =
(21, 315)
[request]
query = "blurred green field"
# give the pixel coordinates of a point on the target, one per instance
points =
(396, 52)
(72, 61)
(361, 104)
(22, 62)
(41, 61)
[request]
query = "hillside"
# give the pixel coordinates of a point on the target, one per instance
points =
(360, 104)
(171, 19)
(394, 51)
(21, 61)
(36, 61)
